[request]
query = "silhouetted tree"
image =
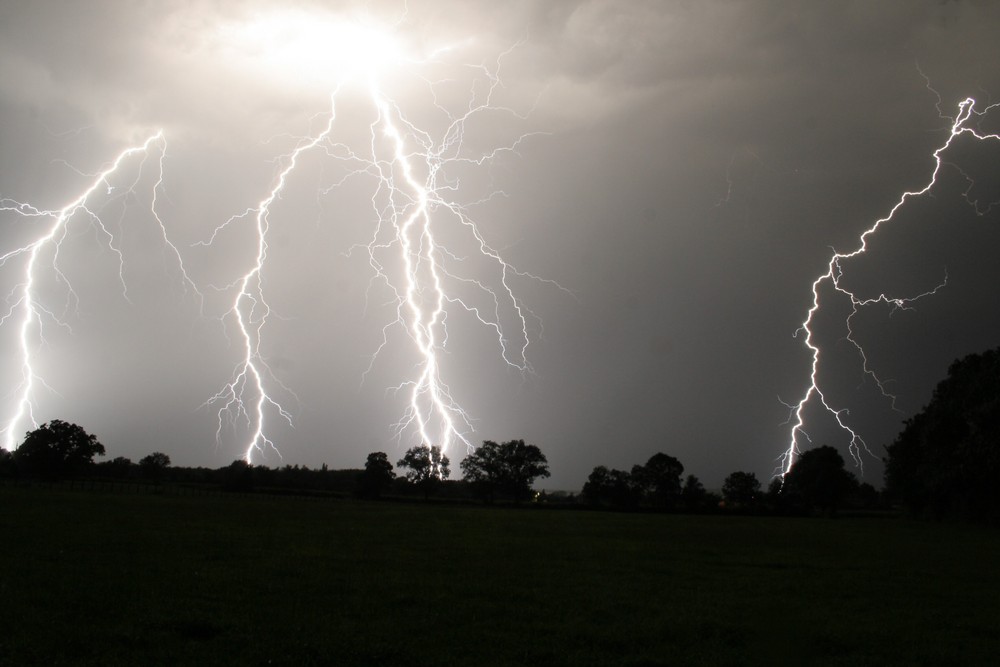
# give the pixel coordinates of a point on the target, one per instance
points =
(57, 449)
(154, 466)
(427, 467)
(377, 475)
(119, 467)
(946, 461)
(818, 480)
(610, 487)
(741, 489)
(7, 466)
(595, 488)
(238, 477)
(776, 500)
(694, 497)
(659, 481)
(509, 469)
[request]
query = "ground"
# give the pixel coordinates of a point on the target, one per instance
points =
(138, 578)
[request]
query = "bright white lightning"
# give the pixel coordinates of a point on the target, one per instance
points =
(411, 194)
(26, 306)
(251, 310)
(961, 125)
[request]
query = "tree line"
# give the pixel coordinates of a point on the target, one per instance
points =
(944, 463)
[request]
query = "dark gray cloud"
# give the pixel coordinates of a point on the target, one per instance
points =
(698, 162)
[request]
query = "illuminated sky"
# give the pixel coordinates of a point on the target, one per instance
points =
(685, 170)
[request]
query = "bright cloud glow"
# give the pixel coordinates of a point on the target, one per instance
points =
(315, 49)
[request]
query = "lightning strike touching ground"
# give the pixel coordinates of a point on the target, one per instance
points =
(962, 125)
(27, 309)
(415, 186)
(251, 310)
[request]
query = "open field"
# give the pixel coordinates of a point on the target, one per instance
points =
(97, 578)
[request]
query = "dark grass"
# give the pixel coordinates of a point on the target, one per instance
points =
(103, 579)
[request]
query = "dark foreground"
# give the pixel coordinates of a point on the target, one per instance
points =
(103, 579)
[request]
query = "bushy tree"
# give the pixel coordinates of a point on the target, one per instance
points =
(154, 466)
(694, 497)
(946, 461)
(659, 481)
(238, 477)
(56, 450)
(426, 466)
(741, 489)
(777, 500)
(7, 465)
(377, 475)
(609, 487)
(818, 480)
(507, 469)
(119, 467)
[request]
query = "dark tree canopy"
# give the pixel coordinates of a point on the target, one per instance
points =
(606, 486)
(694, 496)
(377, 475)
(946, 461)
(656, 484)
(818, 480)
(7, 466)
(57, 449)
(154, 465)
(119, 467)
(741, 489)
(238, 477)
(659, 481)
(426, 467)
(507, 469)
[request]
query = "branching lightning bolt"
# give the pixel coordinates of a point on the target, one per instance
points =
(963, 124)
(250, 309)
(412, 193)
(423, 257)
(26, 309)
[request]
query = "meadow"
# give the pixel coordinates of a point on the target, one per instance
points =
(101, 578)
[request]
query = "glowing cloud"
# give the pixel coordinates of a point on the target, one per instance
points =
(313, 48)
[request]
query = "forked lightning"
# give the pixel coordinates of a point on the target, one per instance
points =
(412, 195)
(964, 124)
(26, 308)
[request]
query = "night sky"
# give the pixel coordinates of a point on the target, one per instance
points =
(684, 171)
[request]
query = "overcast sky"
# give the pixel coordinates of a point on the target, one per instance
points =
(684, 172)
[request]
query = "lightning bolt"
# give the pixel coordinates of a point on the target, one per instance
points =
(26, 309)
(413, 200)
(251, 310)
(963, 124)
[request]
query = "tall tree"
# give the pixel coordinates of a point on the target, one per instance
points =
(818, 480)
(57, 449)
(659, 481)
(508, 469)
(7, 466)
(238, 476)
(946, 461)
(693, 494)
(741, 489)
(610, 487)
(154, 466)
(426, 466)
(377, 475)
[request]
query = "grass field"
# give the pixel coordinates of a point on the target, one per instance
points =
(102, 579)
